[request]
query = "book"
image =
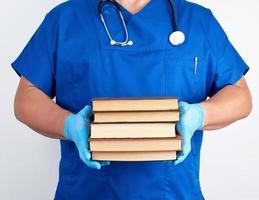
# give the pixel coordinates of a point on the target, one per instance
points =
(137, 144)
(134, 156)
(134, 104)
(132, 130)
(142, 116)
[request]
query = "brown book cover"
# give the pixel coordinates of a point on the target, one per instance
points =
(134, 104)
(136, 144)
(134, 156)
(132, 130)
(134, 116)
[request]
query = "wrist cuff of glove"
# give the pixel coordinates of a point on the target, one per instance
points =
(201, 113)
(67, 132)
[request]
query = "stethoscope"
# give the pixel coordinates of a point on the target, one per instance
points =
(176, 38)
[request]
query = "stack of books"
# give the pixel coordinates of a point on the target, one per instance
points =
(134, 129)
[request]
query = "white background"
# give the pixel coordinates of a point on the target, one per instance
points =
(29, 162)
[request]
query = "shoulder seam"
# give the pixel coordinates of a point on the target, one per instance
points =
(205, 32)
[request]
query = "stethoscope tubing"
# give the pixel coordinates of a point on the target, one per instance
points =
(112, 41)
(176, 38)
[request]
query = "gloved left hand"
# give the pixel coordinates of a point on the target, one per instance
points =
(77, 130)
(191, 119)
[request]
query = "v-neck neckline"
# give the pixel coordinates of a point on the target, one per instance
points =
(141, 11)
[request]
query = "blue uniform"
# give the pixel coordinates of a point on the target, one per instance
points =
(70, 58)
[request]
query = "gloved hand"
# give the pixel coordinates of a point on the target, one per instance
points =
(191, 119)
(77, 130)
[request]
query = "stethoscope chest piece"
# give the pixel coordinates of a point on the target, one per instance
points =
(177, 38)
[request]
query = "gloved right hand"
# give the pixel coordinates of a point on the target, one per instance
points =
(192, 118)
(77, 130)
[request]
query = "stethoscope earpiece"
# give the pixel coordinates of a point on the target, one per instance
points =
(112, 42)
(130, 43)
(177, 38)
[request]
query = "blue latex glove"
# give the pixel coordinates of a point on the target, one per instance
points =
(191, 119)
(77, 131)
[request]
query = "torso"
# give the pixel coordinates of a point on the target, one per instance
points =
(88, 67)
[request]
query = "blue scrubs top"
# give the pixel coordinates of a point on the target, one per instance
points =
(70, 58)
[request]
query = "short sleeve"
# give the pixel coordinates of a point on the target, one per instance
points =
(228, 64)
(37, 60)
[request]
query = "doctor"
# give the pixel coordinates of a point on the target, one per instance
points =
(85, 49)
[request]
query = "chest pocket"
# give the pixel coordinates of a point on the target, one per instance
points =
(185, 77)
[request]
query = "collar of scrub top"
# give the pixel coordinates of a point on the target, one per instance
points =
(176, 37)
